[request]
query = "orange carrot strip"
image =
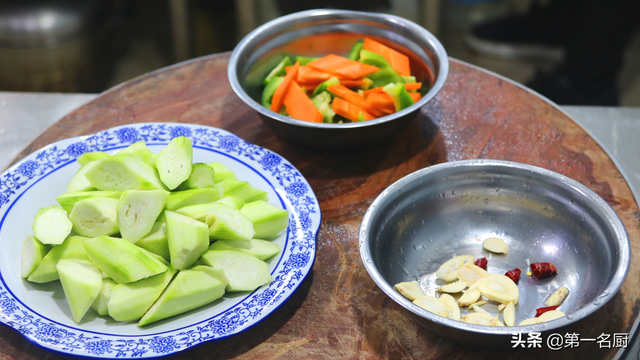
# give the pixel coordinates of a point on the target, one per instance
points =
(409, 87)
(349, 111)
(278, 96)
(413, 86)
(376, 112)
(352, 83)
(398, 61)
(309, 75)
(299, 106)
(415, 96)
(342, 66)
(380, 101)
(347, 94)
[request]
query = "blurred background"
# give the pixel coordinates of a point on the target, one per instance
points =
(576, 52)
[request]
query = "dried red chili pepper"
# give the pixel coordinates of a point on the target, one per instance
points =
(543, 310)
(543, 269)
(482, 263)
(514, 275)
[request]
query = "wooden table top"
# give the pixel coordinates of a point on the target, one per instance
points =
(339, 312)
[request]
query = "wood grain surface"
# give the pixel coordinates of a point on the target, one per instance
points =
(339, 313)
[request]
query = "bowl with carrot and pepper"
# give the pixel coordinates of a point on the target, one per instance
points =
(338, 78)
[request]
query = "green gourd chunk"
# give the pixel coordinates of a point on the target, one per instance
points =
(245, 272)
(68, 200)
(156, 240)
(51, 225)
(261, 249)
(33, 251)
(129, 302)
(201, 177)
(137, 211)
(71, 248)
(180, 199)
(174, 162)
(124, 172)
(121, 260)
(101, 302)
(79, 182)
(188, 239)
(81, 283)
(95, 216)
(221, 172)
(268, 220)
(189, 290)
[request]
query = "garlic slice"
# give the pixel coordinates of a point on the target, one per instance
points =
(495, 245)
(500, 288)
(529, 321)
(411, 290)
(451, 305)
(509, 315)
(477, 308)
(449, 270)
(469, 297)
(551, 315)
(501, 307)
(495, 321)
(453, 288)
(432, 304)
(477, 318)
(478, 303)
(471, 273)
(558, 297)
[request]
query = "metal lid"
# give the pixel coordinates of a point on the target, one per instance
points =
(30, 23)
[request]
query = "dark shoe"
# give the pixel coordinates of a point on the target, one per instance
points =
(562, 89)
(540, 34)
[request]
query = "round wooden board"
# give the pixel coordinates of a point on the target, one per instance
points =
(339, 312)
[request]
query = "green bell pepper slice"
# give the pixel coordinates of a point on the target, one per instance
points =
(386, 74)
(323, 102)
(400, 95)
(408, 79)
(270, 89)
(325, 84)
(304, 60)
(354, 54)
(278, 70)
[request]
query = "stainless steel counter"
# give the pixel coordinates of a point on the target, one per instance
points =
(24, 116)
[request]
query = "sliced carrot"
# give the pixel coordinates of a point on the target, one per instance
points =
(380, 101)
(299, 106)
(309, 75)
(409, 87)
(415, 96)
(347, 94)
(278, 96)
(398, 61)
(413, 86)
(376, 112)
(352, 83)
(342, 66)
(349, 110)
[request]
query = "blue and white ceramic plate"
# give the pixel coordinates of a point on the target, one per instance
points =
(40, 312)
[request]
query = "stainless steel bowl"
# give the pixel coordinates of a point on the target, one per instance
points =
(261, 50)
(434, 214)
